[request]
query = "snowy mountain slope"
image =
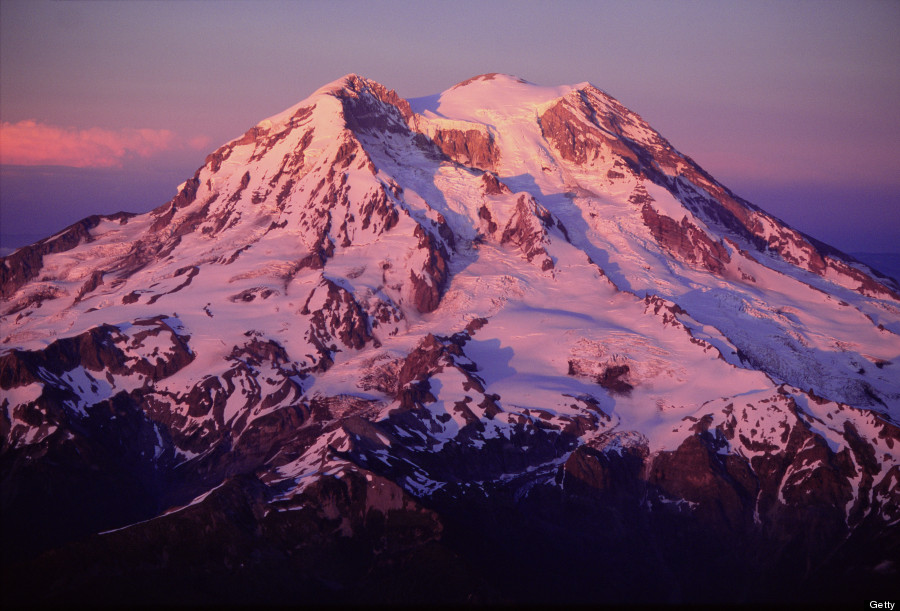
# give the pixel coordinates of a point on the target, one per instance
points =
(383, 321)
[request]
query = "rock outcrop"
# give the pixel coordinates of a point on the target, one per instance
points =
(406, 352)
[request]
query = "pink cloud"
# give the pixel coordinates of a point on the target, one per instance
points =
(33, 143)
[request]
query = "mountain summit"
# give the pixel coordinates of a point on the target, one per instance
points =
(394, 350)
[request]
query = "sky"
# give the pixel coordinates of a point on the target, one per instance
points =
(793, 105)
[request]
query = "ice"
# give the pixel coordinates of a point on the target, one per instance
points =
(687, 343)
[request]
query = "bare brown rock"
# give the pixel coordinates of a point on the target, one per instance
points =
(471, 148)
(428, 284)
(527, 229)
(339, 318)
(697, 474)
(493, 185)
(686, 241)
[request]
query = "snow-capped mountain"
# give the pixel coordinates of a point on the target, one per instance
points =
(398, 351)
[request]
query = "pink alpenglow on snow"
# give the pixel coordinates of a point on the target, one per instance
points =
(385, 350)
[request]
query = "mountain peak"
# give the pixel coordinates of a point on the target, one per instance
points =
(350, 81)
(348, 85)
(493, 92)
(493, 76)
(360, 324)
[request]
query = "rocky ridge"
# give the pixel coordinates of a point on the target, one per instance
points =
(374, 340)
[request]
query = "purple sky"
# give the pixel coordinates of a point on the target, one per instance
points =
(793, 105)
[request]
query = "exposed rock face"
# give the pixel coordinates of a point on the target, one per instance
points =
(685, 240)
(102, 349)
(81, 449)
(578, 140)
(472, 147)
(589, 128)
(428, 285)
(336, 314)
(391, 351)
(25, 263)
(493, 186)
(370, 106)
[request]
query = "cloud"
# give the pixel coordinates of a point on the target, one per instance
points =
(33, 143)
